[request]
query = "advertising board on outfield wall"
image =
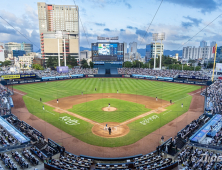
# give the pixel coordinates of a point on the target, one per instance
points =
(167, 79)
(17, 76)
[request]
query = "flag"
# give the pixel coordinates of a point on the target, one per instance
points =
(214, 50)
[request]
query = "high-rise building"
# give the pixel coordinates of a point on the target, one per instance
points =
(198, 53)
(203, 43)
(125, 47)
(19, 46)
(133, 47)
(58, 22)
(213, 43)
(86, 54)
(150, 50)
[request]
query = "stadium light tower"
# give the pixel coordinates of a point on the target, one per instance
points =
(60, 35)
(155, 38)
(161, 36)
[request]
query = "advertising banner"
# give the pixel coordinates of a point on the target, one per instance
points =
(27, 75)
(219, 67)
(17, 76)
(63, 69)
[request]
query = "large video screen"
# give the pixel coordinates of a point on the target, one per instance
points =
(107, 52)
(103, 49)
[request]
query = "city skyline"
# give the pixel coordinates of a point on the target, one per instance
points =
(127, 19)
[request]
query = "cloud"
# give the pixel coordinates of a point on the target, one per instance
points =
(107, 29)
(122, 30)
(100, 24)
(131, 27)
(27, 25)
(203, 5)
(194, 22)
(176, 37)
(128, 5)
(143, 33)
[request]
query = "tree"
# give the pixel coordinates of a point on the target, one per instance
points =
(83, 61)
(6, 63)
(199, 64)
(91, 64)
(127, 64)
(50, 62)
(210, 65)
(37, 67)
(85, 65)
(68, 60)
(73, 62)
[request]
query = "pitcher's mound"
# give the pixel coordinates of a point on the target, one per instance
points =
(109, 109)
(117, 130)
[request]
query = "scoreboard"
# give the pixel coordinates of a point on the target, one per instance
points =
(108, 52)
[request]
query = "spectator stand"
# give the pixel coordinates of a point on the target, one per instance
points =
(210, 126)
(38, 153)
(53, 148)
(16, 134)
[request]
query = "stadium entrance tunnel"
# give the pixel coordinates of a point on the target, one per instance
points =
(117, 130)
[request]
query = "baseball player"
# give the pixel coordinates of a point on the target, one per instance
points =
(43, 107)
(156, 99)
(82, 93)
(57, 100)
(40, 99)
(95, 89)
(108, 106)
(117, 91)
(109, 131)
(182, 105)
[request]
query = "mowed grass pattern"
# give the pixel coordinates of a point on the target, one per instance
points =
(59, 89)
(125, 110)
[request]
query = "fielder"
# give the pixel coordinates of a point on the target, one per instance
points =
(182, 105)
(156, 99)
(108, 106)
(43, 107)
(57, 100)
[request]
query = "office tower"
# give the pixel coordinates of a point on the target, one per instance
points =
(59, 30)
(203, 43)
(198, 52)
(133, 47)
(150, 51)
(10, 46)
(213, 43)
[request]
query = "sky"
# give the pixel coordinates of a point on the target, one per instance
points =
(129, 19)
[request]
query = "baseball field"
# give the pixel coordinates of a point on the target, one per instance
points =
(80, 107)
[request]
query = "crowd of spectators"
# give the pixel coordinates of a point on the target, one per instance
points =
(70, 161)
(214, 97)
(5, 107)
(72, 71)
(160, 73)
(197, 158)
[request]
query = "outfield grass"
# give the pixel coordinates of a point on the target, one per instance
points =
(82, 131)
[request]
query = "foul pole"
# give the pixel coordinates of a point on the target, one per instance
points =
(215, 52)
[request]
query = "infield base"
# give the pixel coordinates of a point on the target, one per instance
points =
(117, 130)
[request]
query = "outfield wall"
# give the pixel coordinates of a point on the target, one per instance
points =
(17, 81)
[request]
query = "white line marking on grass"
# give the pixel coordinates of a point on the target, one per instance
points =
(167, 112)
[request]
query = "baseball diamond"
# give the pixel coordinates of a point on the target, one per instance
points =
(136, 112)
